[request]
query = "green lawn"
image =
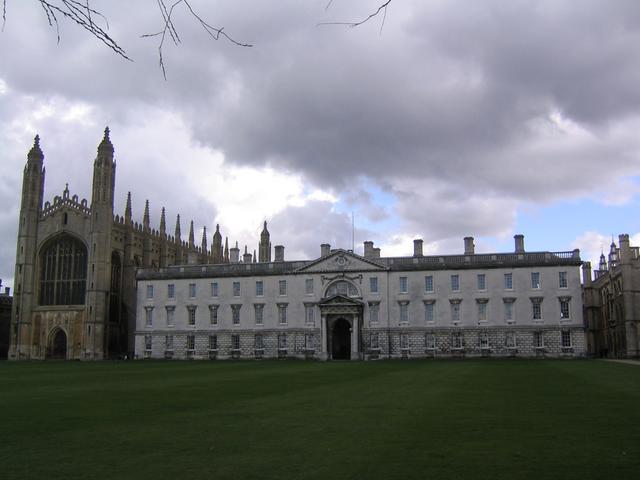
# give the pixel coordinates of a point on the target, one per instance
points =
(475, 419)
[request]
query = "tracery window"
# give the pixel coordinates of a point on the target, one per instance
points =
(63, 272)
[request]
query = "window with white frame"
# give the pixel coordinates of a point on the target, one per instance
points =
(309, 341)
(214, 289)
(258, 342)
(373, 284)
(192, 290)
(235, 314)
(482, 309)
(213, 342)
(149, 291)
(168, 342)
(429, 341)
(483, 341)
(455, 311)
(374, 312)
(538, 339)
(404, 312)
(374, 340)
(282, 341)
(404, 285)
(258, 311)
(508, 281)
(508, 310)
(308, 286)
(259, 288)
(404, 341)
(282, 313)
(457, 341)
(536, 308)
(235, 342)
(510, 340)
(148, 316)
(191, 315)
(236, 289)
(308, 313)
(170, 315)
(171, 290)
(562, 280)
(429, 311)
(565, 338)
(282, 287)
(191, 342)
(535, 280)
(482, 281)
(428, 283)
(565, 312)
(148, 342)
(213, 314)
(455, 283)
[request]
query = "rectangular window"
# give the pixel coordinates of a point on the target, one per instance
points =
(508, 281)
(308, 313)
(482, 281)
(148, 312)
(404, 341)
(428, 283)
(374, 341)
(564, 309)
(191, 312)
(171, 290)
(309, 343)
(214, 289)
(258, 310)
(258, 342)
(562, 280)
(404, 312)
(457, 340)
(235, 342)
(510, 340)
(373, 284)
(482, 312)
(508, 312)
(213, 314)
(235, 314)
(191, 342)
(455, 283)
(308, 286)
(236, 289)
(282, 313)
(455, 312)
(374, 311)
(192, 290)
(170, 315)
(429, 317)
(538, 339)
(430, 341)
(282, 287)
(148, 342)
(536, 309)
(535, 280)
(213, 342)
(149, 291)
(282, 341)
(566, 338)
(259, 288)
(404, 285)
(483, 341)
(168, 342)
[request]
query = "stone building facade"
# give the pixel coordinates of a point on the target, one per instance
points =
(346, 306)
(76, 261)
(612, 302)
(6, 301)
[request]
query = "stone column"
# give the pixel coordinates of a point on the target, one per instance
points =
(354, 337)
(323, 337)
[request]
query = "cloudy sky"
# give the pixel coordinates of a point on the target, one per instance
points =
(453, 118)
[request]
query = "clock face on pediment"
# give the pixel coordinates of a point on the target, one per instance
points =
(341, 261)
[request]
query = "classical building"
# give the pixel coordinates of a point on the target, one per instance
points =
(5, 319)
(75, 284)
(346, 306)
(612, 302)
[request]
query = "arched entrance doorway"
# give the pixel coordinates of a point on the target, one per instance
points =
(341, 340)
(58, 345)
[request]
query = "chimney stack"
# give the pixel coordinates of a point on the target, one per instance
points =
(417, 247)
(368, 249)
(625, 248)
(234, 254)
(586, 273)
(279, 253)
(519, 242)
(469, 247)
(325, 249)
(376, 252)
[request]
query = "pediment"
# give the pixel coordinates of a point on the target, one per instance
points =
(342, 261)
(340, 300)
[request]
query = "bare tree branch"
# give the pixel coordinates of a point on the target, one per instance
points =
(169, 28)
(382, 8)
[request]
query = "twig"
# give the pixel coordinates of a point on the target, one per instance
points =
(382, 8)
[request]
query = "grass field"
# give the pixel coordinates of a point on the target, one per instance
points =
(470, 419)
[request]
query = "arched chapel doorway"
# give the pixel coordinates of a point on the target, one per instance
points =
(341, 340)
(57, 349)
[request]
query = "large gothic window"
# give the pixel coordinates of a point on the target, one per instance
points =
(63, 272)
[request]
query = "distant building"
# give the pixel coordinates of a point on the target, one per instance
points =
(5, 320)
(612, 302)
(346, 306)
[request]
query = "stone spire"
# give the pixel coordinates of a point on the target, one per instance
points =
(265, 245)
(105, 145)
(163, 223)
(35, 154)
(603, 262)
(146, 222)
(204, 240)
(254, 256)
(216, 246)
(192, 242)
(226, 249)
(127, 209)
(177, 234)
(613, 254)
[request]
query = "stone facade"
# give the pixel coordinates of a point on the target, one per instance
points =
(348, 306)
(6, 301)
(612, 302)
